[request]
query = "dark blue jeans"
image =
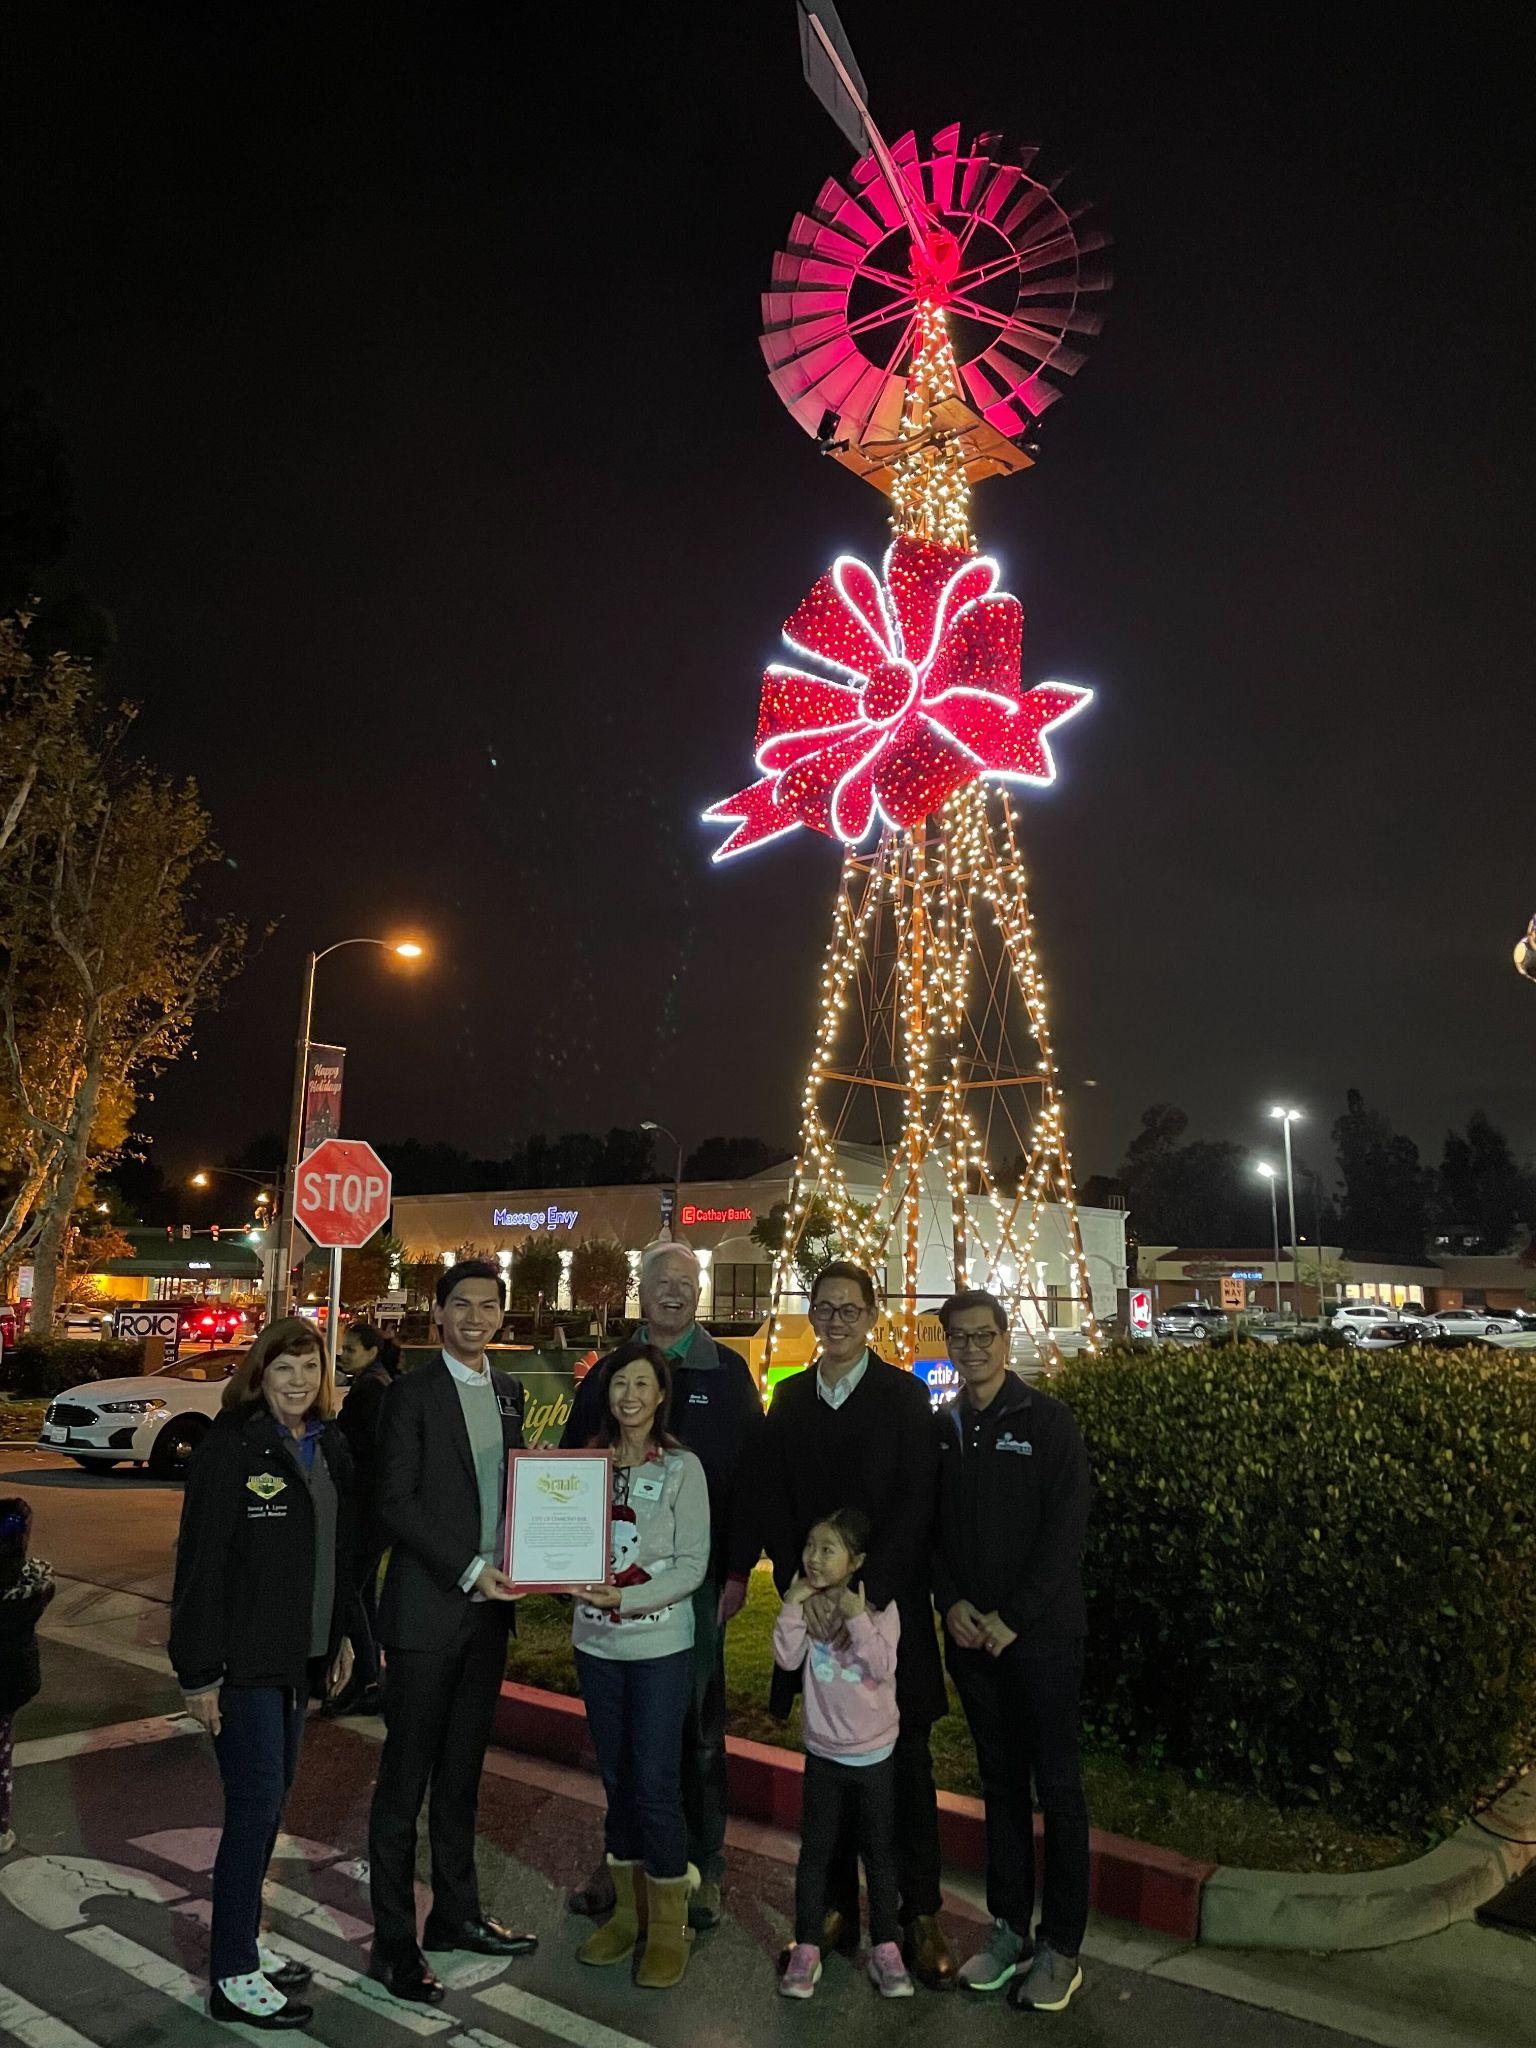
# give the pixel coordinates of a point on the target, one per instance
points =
(1023, 1712)
(258, 1751)
(635, 1712)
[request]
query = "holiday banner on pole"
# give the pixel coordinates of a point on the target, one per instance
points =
(323, 1068)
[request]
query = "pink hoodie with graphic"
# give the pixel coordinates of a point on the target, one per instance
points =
(848, 1708)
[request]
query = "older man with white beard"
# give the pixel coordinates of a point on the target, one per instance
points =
(717, 1414)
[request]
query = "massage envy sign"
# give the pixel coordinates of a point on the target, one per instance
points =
(534, 1219)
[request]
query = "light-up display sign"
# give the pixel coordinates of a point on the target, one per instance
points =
(694, 1212)
(552, 1218)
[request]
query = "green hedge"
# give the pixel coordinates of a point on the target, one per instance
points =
(1313, 1574)
(43, 1368)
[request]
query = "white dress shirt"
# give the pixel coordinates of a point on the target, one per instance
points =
(836, 1392)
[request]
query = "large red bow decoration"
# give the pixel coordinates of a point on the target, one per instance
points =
(928, 699)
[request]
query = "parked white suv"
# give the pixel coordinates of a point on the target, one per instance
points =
(1355, 1316)
(156, 1419)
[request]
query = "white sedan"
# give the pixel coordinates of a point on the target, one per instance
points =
(155, 1419)
(1475, 1322)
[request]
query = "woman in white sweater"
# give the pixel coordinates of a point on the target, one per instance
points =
(634, 1655)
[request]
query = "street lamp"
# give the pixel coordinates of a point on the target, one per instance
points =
(1287, 1118)
(1268, 1172)
(402, 949)
(677, 1169)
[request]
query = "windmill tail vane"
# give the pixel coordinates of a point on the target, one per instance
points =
(917, 324)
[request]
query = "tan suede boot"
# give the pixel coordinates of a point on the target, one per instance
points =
(669, 1938)
(615, 1940)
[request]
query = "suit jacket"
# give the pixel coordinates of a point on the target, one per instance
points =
(429, 1503)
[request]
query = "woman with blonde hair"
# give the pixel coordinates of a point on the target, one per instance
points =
(263, 1603)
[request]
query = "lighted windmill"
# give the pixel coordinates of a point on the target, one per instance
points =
(914, 323)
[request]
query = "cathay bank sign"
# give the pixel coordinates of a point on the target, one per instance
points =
(534, 1219)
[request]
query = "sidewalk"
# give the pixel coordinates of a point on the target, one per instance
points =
(145, 1775)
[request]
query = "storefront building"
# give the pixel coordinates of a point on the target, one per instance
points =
(717, 1218)
(169, 1266)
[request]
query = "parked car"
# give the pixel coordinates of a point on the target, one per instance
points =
(1391, 1336)
(156, 1419)
(1476, 1322)
(83, 1322)
(1190, 1319)
(1354, 1316)
(1361, 1319)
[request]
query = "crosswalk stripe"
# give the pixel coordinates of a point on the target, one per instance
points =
(156, 1974)
(24, 2022)
(554, 2019)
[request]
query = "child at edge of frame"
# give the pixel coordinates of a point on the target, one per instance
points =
(846, 1652)
(26, 1587)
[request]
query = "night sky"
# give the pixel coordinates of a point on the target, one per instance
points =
(407, 363)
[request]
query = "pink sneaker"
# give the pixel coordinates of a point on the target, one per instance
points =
(887, 1971)
(802, 1972)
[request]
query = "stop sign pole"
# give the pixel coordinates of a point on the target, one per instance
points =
(341, 1200)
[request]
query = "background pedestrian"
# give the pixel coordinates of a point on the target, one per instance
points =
(26, 1587)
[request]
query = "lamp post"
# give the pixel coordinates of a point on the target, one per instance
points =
(204, 1174)
(402, 949)
(1287, 1118)
(677, 1168)
(1268, 1172)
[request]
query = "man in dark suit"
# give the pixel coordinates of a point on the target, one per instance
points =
(852, 1431)
(444, 1435)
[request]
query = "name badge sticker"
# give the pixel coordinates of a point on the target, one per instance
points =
(647, 1487)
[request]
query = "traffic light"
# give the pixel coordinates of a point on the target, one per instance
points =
(213, 1232)
(186, 1231)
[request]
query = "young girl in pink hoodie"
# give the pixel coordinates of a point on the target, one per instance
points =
(849, 1720)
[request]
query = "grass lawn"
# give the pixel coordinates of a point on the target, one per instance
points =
(1152, 1805)
(20, 1420)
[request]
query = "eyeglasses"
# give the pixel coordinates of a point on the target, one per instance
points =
(832, 1312)
(973, 1340)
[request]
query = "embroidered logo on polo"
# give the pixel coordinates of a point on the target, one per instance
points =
(266, 1485)
(1009, 1442)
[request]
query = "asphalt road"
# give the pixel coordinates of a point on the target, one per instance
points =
(103, 1906)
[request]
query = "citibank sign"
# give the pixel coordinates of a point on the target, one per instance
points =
(534, 1219)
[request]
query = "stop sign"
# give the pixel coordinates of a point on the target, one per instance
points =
(342, 1195)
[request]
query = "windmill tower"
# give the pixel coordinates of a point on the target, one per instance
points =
(915, 324)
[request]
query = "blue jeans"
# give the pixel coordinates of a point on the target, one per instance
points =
(257, 1747)
(635, 1712)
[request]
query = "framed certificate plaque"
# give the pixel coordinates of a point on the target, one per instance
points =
(558, 1511)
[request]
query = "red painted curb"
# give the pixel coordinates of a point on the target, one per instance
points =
(1156, 1888)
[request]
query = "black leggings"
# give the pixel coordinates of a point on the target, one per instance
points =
(860, 1798)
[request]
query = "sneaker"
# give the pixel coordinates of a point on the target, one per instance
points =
(1005, 1956)
(802, 1972)
(1048, 1983)
(887, 1971)
(7, 1841)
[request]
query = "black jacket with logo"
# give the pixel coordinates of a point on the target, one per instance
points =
(1014, 1491)
(245, 1558)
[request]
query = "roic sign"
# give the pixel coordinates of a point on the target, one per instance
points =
(342, 1197)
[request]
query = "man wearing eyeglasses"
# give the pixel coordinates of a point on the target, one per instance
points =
(852, 1431)
(1013, 1495)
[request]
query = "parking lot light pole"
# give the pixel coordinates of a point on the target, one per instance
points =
(677, 1170)
(282, 1288)
(1287, 1118)
(1268, 1172)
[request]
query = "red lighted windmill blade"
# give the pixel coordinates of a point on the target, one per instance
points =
(1016, 270)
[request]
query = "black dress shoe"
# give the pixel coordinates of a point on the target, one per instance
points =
(293, 1976)
(290, 2014)
(481, 1938)
(409, 1978)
